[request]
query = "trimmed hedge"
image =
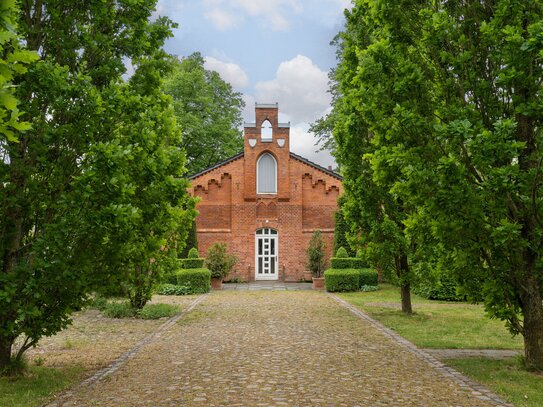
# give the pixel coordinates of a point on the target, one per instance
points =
(197, 279)
(192, 263)
(368, 277)
(342, 280)
(347, 263)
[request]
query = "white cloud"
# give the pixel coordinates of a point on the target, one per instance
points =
(226, 14)
(221, 19)
(229, 71)
(301, 89)
(302, 142)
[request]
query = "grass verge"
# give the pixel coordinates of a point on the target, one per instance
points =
(504, 377)
(435, 324)
(37, 385)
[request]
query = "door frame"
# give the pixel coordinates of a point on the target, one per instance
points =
(275, 275)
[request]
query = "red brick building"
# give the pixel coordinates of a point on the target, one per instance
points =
(266, 202)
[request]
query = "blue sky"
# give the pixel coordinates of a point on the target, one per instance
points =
(270, 50)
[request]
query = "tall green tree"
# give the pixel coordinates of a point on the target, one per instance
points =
(47, 255)
(208, 112)
(452, 95)
(375, 214)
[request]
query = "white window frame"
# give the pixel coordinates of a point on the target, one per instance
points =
(266, 139)
(257, 175)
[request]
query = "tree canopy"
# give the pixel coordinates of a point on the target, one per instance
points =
(208, 112)
(450, 93)
(70, 180)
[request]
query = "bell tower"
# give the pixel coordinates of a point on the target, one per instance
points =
(267, 135)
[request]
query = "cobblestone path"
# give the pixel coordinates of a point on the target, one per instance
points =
(274, 348)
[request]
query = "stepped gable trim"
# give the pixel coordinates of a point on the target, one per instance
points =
(228, 160)
(316, 166)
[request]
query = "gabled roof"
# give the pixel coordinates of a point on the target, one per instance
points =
(228, 160)
(292, 155)
(317, 166)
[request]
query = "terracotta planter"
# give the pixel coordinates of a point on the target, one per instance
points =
(216, 283)
(308, 276)
(318, 283)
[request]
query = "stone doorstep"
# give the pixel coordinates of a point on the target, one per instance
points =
(266, 285)
(477, 390)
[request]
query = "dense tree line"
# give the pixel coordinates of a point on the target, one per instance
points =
(437, 124)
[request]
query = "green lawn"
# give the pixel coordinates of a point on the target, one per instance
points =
(37, 386)
(435, 324)
(505, 378)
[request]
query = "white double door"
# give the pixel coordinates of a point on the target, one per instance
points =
(266, 244)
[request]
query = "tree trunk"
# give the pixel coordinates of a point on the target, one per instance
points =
(532, 310)
(405, 285)
(5, 353)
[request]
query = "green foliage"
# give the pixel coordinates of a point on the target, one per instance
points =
(368, 288)
(219, 261)
(341, 230)
(338, 280)
(118, 309)
(442, 286)
(342, 253)
(450, 94)
(149, 311)
(193, 253)
(195, 263)
(316, 256)
(198, 280)
(94, 166)
(14, 63)
(208, 112)
(173, 289)
(347, 263)
(190, 243)
(368, 277)
(156, 311)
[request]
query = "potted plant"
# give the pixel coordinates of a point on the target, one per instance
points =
(308, 275)
(316, 261)
(220, 263)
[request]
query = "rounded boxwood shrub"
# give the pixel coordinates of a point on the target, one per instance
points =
(198, 280)
(193, 253)
(192, 263)
(342, 253)
(368, 277)
(337, 280)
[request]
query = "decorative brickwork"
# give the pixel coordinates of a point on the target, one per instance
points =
(231, 211)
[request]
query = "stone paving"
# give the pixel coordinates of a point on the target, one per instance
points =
(267, 285)
(275, 348)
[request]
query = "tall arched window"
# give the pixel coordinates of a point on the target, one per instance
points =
(266, 132)
(266, 175)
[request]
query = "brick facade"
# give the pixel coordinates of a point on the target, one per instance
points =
(231, 211)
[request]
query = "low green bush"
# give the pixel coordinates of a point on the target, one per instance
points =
(173, 289)
(443, 288)
(347, 263)
(369, 288)
(338, 280)
(342, 253)
(368, 277)
(150, 311)
(120, 309)
(198, 280)
(196, 263)
(156, 311)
